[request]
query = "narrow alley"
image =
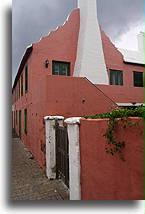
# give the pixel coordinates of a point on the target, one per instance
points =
(28, 181)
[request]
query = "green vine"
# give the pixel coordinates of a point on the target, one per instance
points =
(113, 146)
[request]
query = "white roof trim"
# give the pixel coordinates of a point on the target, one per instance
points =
(129, 104)
(54, 118)
(132, 56)
(73, 120)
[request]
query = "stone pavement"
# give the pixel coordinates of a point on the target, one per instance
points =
(28, 181)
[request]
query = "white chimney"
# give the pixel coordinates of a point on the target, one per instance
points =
(90, 61)
(140, 38)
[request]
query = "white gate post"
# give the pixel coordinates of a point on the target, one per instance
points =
(74, 157)
(50, 144)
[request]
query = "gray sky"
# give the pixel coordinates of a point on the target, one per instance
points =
(32, 19)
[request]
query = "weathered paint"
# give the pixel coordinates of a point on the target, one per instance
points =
(74, 158)
(106, 177)
(51, 145)
(90, 61)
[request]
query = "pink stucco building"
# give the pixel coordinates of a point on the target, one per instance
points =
(48, 84)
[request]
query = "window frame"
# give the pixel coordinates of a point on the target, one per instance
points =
(60, 64)
(22, 84)
(16, 117)
(114, 77)
(25, 121)
(136, 82)
(26, 79)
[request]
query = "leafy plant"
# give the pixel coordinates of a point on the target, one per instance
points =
(113, 146)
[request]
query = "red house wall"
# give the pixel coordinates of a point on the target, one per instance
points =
(66, 96)
(48, 95)
(106, 177)
(60, 45)
(126, 93)
(123, 94)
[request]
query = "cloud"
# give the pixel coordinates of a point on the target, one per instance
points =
(33, 19)
(117, 16)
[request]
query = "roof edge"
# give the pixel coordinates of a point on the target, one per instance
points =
(22, 64)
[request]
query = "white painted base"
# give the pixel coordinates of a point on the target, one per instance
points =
(50, 145)
(74, 158)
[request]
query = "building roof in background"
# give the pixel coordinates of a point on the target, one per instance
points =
(22, 64)
(136, 57)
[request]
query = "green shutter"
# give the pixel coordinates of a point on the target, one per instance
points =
(111, 77)
(25, 121)
(26, 79)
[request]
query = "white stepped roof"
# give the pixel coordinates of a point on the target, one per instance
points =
(131, 56)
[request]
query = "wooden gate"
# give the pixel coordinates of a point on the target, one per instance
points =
(62, 154)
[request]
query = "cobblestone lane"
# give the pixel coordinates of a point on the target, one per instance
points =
(28, 181)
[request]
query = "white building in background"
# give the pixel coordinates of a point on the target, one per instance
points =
(137, 57)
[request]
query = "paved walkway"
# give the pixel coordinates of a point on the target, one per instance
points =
(28, 181)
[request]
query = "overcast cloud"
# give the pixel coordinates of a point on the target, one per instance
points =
(33, 19)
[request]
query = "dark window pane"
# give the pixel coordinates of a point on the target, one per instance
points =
(61, 68)
(116, 77)
(19, 88)
(25, 121)
(26, 79)
(138, 79)
(22, 85)
(16, 117)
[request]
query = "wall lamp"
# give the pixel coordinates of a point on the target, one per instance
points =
(46, 63)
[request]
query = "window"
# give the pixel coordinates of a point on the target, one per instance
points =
(138, 79)
(16, 117)
(20, 123)
(19, 88)
(116, 77)
(22, 85)
(61, 68)
(25, 121)
(26, 79)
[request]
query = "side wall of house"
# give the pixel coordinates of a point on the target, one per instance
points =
(66, 96)
(126, 93)
(59, 45)
(106, 177)
(123, 94)
(75, 96)
(49, 94)
(57, 95)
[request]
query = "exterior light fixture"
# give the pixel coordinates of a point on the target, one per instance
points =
(46, 63)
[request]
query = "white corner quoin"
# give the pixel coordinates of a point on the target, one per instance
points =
(90, 62)
(50, 144)
(74, 157)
